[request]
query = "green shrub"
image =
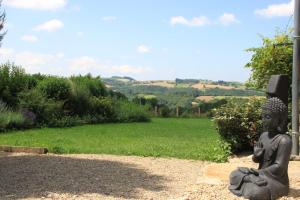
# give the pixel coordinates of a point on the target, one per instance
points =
(130, 112)
(96, 119)
(30, 118)
(3, 107)
(45, 109)
(87, 98)
(10, 119)
(13, 80)
(208, 106)
(223, 155)
(79, 101)
(239, 122)
(55, 88)
(101, 106)
(165, 111)
(15, 120)
(94, 85)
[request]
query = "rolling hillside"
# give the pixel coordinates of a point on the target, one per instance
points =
(179, 91)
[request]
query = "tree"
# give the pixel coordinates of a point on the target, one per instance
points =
(2, 21)
(275, 56)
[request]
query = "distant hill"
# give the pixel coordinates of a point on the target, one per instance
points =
(117, 81)
(179, 91)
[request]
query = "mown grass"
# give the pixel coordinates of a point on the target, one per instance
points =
(180, 138)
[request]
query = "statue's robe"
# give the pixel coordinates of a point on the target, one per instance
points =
(271, 179)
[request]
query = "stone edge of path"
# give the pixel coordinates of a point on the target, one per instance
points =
(22, 149)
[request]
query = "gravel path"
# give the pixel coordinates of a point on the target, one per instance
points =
(27, 176)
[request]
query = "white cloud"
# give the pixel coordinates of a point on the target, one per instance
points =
(31, 59)
(51, 25)
(60, 55)
(36, 4)
(127, 69)
(84, 64)
(34, 62)
(109, 18)
(277, 10)
(6, 53)
(143, 49)
(29, 38)
(57, 64)
(196, 21)
(227, 19)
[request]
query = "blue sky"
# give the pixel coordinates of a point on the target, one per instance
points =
(147, 40)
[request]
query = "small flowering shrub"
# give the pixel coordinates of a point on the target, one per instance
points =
(239, 122)
(10, 119)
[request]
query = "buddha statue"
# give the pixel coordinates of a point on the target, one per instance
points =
(272, 151)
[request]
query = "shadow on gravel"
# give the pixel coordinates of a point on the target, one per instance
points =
(295, 193)
(36, 176)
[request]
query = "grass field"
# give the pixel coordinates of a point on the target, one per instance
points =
(180, 138)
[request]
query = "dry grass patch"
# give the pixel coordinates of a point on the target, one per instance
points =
(167, 84)
(210, 86)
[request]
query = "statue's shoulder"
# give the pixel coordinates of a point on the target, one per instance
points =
(263, 135)
(285, 139)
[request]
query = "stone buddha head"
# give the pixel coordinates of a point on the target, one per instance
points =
(274, 116)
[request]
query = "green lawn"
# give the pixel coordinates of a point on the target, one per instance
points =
(180, 138)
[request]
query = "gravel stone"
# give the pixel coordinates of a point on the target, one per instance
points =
(89, 177)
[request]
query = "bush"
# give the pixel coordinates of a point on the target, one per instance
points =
(93, 85)
(10, 119)
(43, 108)
(165, 111)
(130, 112)
(208, 106)
(101, 106)
(79, 101)
(55, 88)
(13, 80)
(30, 118)
(223, 155)
(239, 122)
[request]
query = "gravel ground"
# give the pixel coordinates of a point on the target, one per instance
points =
(31, 177)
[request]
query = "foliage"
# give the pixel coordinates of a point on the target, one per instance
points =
(239, 122)
(188, 81)
(55, 88)
(30, 118)
(207, 106)
(94, 85)
(275, 56)
(176, 96)
(165, 111)
(78, 103)
(225, 151)
(43, 100)
(143, 100)
(130, 112)
(13, 80)
(10, 119)
(101, 106)
(43, 108)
